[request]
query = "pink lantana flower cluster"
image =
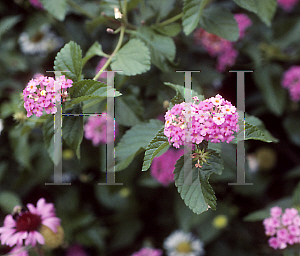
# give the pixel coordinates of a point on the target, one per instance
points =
(100, 129)
(22, 227)
(291, 81)
(163, 166)
(287, 5)
(146, 251)
(214, 119)
(221, 48)
(42, 93)
(284, 228)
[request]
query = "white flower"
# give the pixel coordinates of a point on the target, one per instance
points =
(42, 42)
(180, 243)
(1, 125)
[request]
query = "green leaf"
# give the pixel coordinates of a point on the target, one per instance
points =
(162, 8)
(192, 11)
(91, 25)
(21, 148)
(48, 135)
(292, 126)
(7, 23)
(133, 58)
(8, 200)
(172, 29)
(125, 114)
(69, 59)
(156, 145)
(94, 50)
(220, 21)
(72, 129)
(265, 10)
(162, 48)
(90, 89)
(134, 141)
(254, 129)
(193, 185)
(180, 93)
(57, 8)
(268, 78)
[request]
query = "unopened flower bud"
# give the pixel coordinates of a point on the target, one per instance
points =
(166, 104)
(110, 31)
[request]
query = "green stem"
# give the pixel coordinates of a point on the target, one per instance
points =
(171, 20)
(80, 9)
(111, 56)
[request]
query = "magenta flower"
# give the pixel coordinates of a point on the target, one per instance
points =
(37, 4)
(148, 252)
(284, 228)
(214, 119)
(24, 226)
(287, 5)
(99, 66)
(163, 166)
(42, 93)
(291, 81)
(243, 22)
(98, 128)
(18, 251)
(219, 47)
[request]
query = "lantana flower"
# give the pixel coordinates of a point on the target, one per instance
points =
(284, 228)
(180, 243)
(23, 227)
(43, 92)
(291, 81)
(100, 129)
(214, 119)
(162, 167)
(221, 48)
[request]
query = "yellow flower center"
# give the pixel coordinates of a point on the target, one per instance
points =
(184, 247)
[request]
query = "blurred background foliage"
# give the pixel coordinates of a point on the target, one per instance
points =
(118, 220)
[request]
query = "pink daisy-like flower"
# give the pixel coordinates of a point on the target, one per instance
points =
(18, 251)
(148, 252)
(98, 128)
(24, 226)
(163, 166)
